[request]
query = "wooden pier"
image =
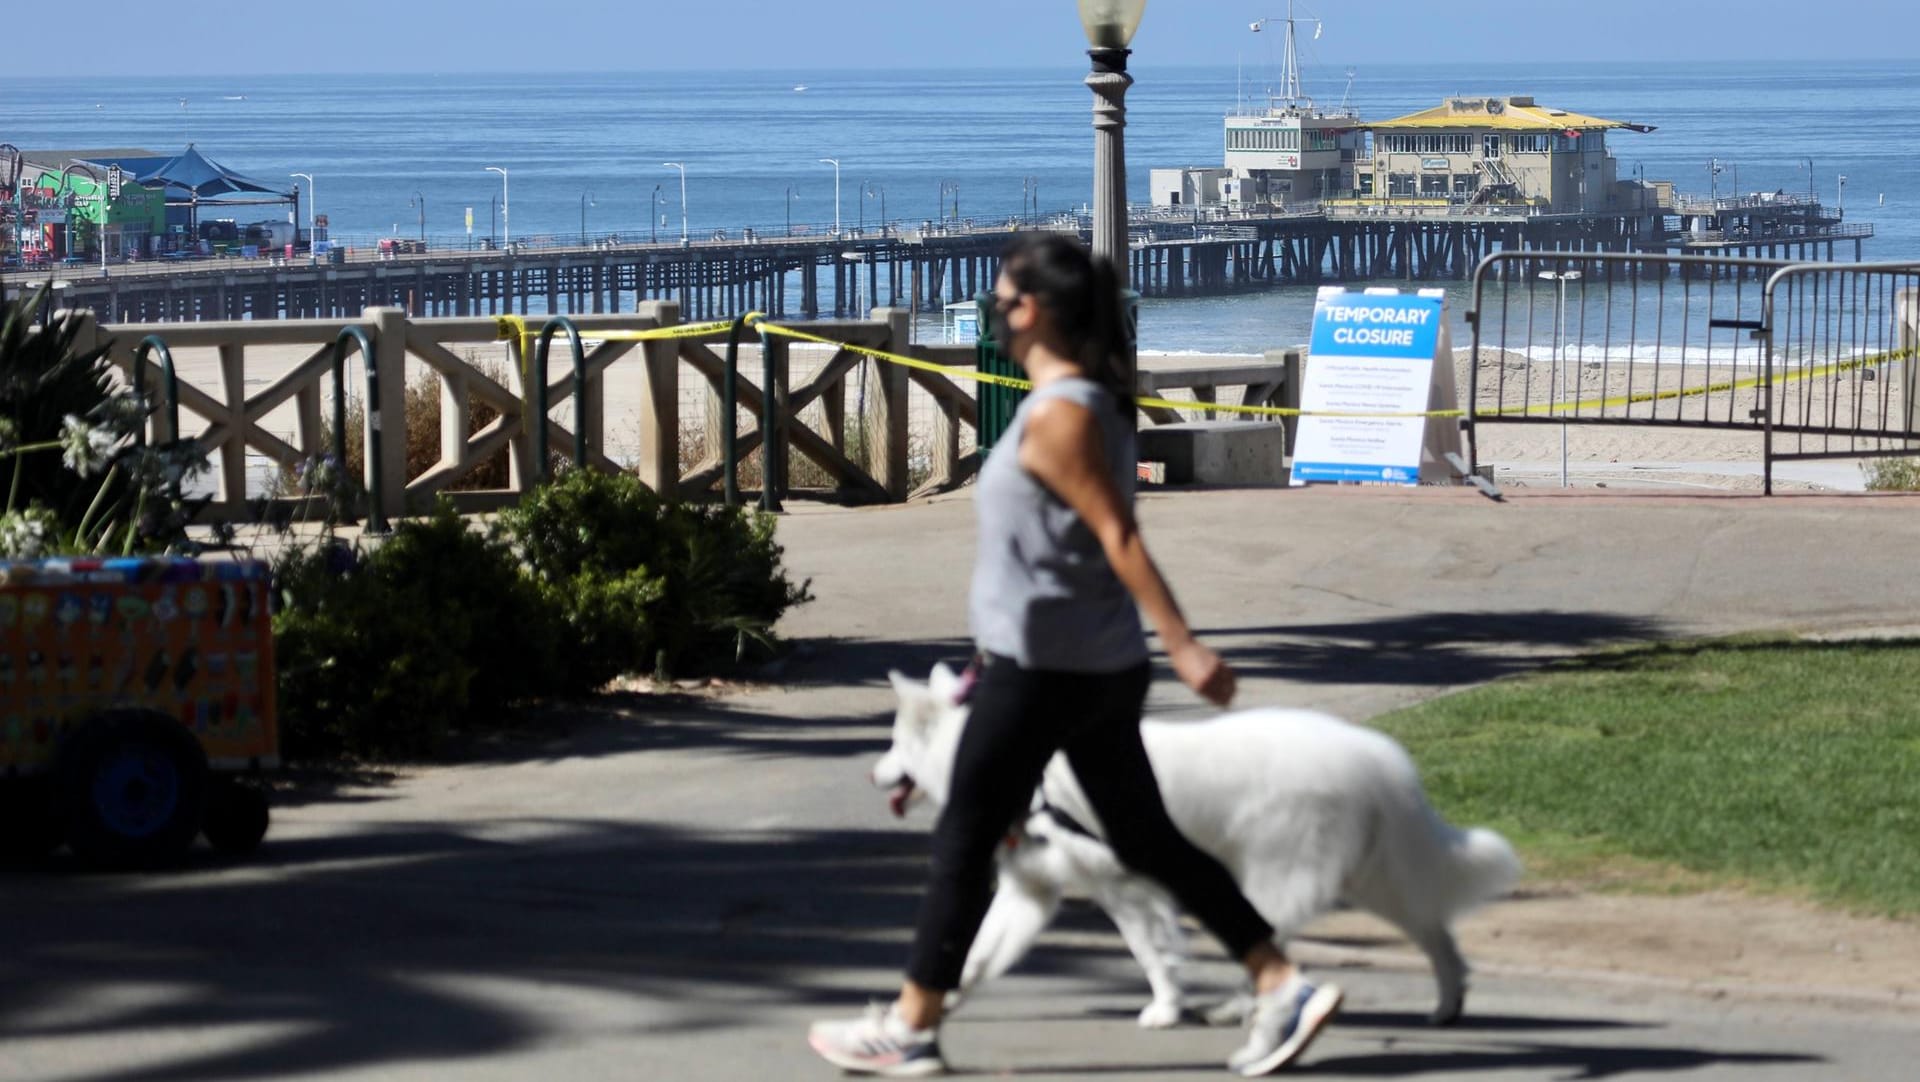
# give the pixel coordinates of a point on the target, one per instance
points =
(839, 277)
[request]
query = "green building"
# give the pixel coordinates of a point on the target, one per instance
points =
(69, 211)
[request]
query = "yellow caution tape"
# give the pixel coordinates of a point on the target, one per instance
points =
(515, 327)
(1574, 409)
(510, 328)
(1027, 385)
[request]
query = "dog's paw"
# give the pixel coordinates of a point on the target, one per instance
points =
(1159, 1015)
(1449, 1010)
(1232, 1012)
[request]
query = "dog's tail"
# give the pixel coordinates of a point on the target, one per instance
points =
(1485, 867)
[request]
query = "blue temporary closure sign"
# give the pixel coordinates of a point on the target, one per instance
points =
(1366, 387)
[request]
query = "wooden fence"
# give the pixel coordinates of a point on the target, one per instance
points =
(230, 409)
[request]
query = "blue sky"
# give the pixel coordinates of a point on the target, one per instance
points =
(656, 35)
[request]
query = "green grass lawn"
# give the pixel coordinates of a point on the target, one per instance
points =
(1782, 765)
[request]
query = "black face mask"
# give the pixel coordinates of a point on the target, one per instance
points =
(997, 327)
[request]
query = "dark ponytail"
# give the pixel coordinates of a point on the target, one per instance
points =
(1083, 295)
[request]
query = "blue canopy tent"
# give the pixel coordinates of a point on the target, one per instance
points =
(192, 180)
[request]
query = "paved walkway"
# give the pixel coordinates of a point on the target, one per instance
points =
(672, 885)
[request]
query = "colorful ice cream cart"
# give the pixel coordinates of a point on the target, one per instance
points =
(136, 706)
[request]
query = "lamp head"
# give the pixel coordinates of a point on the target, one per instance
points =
(1110, 24)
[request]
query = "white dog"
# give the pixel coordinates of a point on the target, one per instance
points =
(1304, 809)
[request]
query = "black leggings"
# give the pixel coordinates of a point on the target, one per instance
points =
(1019, 719)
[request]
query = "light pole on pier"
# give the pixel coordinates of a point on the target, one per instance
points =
(683, 197)
(308, 177)
(653, 216)
(881, 190)
(586, 200)
(506, 212)
(1810, 193)
(420, 201)
(1561, 278)
(835, 162)
(789, 210)
(1840, 196)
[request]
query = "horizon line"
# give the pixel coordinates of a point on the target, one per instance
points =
(1137, 65)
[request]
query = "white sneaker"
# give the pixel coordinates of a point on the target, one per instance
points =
(878, 1043)
(1284, 1022)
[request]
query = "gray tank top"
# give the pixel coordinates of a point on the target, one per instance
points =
(1043, 593)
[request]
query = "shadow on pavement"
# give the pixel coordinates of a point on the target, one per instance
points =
(1580, 1061)
(1440, 648)
(389, 946)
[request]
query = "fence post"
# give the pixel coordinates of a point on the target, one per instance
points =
(1290, 374)
(773, 421)
(233, 450)
(1906, 318)
(660, 404)
(373, 452)
(390, 361)
(889, 410)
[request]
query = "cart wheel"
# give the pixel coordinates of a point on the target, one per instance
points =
(133, 785)
(236, 816)
(30, 823)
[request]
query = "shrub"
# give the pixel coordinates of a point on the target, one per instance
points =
(383, 653)
(1892, 475)
(718, 587)
(444, 627)
(76, 480)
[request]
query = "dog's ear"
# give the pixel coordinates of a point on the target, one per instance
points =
(944, 683)
(905, 686)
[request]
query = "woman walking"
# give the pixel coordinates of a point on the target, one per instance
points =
(1059, 581)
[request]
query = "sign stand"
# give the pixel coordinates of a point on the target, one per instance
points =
(1378, 362)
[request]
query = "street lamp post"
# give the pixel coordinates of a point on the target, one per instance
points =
(506, 207)
(1840, 196)
(653, 216)
(586, 200)
(493, 217)
(835, 162)
(1110, 25)
(789, 210)
(683, 197)
(308, 177)
(420, 201)
(1810, 193)
(1561, 278)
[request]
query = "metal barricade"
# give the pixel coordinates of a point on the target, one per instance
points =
(1842, 376)
(1816, 360)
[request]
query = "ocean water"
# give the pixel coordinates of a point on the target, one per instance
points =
(392, 155)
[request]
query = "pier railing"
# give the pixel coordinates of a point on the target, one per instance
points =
(251, 394)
